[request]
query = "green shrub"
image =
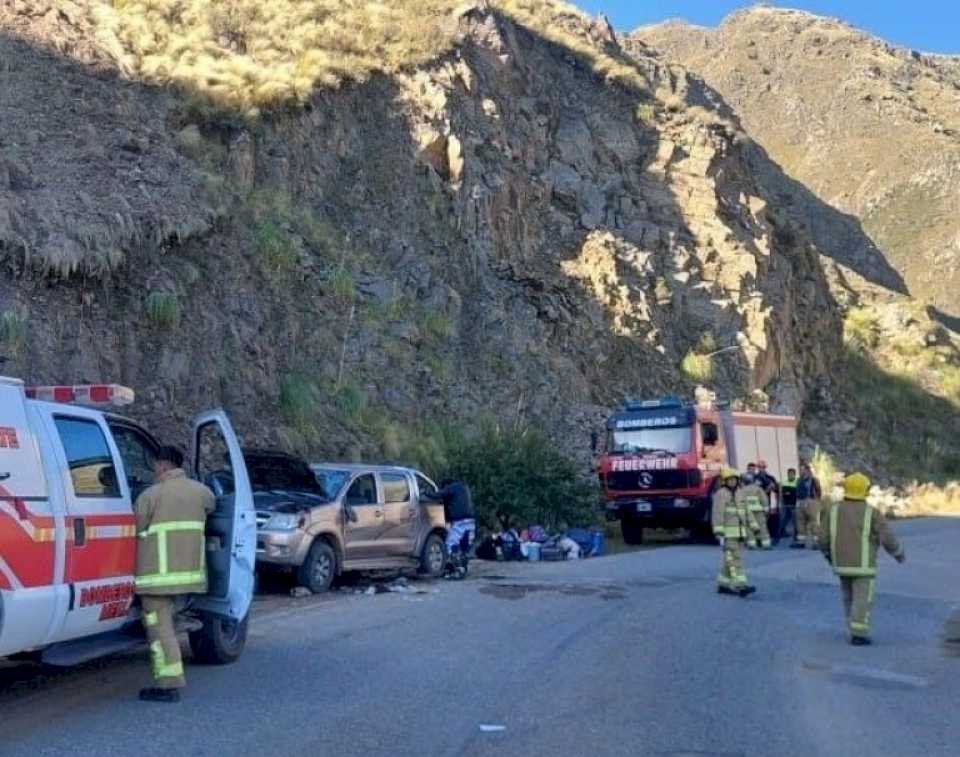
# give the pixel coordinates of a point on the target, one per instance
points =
(275, 247)
(437, 325)
(518, 475)
(342, 286)
(825, 469)
(13, 332)
(352, 404)
(299, 404)
(861, 329)
(645, 114)
(697, 367)
(163, 311)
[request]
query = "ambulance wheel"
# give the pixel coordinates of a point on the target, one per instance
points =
(220, 641)
(632, 530)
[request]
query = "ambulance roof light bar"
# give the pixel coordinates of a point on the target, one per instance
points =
(92, 395)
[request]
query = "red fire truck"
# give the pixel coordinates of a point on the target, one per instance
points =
(660, 460)
(70, 472)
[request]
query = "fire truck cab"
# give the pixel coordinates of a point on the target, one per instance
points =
(70, 472)
(661, 459)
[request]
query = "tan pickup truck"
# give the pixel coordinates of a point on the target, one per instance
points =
(327, 519)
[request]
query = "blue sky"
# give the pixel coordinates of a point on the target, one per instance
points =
(926, 25)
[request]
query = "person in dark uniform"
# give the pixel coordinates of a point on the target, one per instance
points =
(788, 503)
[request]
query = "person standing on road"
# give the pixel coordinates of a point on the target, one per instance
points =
(788, 504)
(754, 498)
(171, 518)
(809, 494)
(951, 637)
(733, 526)
(459, 513)
(771, 488)
(850, 535)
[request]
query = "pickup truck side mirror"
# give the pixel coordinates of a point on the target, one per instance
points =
(350, 512)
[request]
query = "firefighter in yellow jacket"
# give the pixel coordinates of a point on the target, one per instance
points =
(755, 500)
(733, 527)
(850, 533)
(171, 516)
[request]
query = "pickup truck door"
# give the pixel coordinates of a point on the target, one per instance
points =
(401, 514)
(364, 518)
(216, 459)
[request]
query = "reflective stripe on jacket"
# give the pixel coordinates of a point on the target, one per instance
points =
(754, 498)
(729, 516)
(850, 535)
(171, 517)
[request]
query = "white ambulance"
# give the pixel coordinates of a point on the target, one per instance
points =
(70, 471)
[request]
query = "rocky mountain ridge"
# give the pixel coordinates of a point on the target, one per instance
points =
(871, 129)
(510, 230)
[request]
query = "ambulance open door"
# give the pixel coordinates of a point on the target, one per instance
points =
(216, 459)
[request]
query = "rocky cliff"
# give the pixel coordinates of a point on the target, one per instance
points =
(531, 224)
(871, 130)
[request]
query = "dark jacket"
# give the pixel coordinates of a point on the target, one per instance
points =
(457, 501)
(768, 483)
(808, 488)
(788, 492)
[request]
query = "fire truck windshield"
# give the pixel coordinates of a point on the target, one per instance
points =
(675, 441)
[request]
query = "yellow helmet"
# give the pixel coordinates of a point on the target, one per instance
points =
(728, 472)
(856, 486)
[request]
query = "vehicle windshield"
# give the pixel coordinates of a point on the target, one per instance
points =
(282, 474)
(332, 481)
(671, 440)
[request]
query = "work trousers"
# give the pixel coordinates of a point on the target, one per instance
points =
(732, 574)
(808, 522)
(858, 603)
(162, 638)
(788, 517)
(952, 632)
(761, 540)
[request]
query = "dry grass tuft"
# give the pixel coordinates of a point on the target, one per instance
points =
(930, 499)
(250, 55)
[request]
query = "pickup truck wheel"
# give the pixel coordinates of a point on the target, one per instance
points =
(319, 569)
(632, 530)
(220, 641)
(433, 557)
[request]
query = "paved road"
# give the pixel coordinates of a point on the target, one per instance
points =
(627, 655)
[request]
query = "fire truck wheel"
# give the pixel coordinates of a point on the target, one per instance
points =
(219, 642)
(632, 530)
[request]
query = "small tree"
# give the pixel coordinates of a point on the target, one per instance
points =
(518, 476)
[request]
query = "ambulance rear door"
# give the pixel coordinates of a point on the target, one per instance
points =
(29, 549)
(216, 459)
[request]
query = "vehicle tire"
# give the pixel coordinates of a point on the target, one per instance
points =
(632, 530)
(220, 641)
(433, 557)
(319, 569)
(702, 533)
